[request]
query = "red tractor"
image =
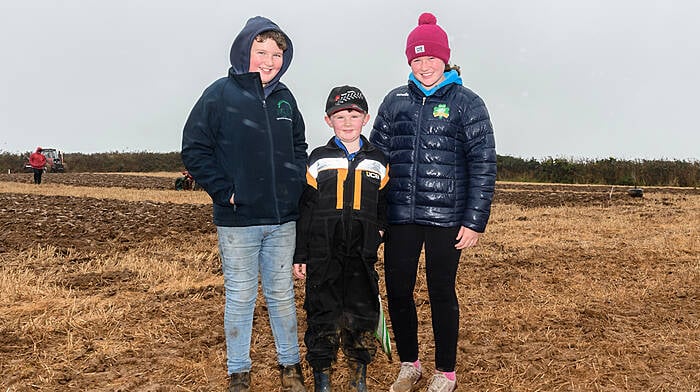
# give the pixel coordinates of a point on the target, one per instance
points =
(54, 161)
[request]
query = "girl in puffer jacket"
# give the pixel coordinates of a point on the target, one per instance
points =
(438, 138)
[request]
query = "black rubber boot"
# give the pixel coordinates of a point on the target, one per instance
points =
(358, 376)
(322, 380)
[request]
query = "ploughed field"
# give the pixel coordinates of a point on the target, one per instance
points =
(111, 282)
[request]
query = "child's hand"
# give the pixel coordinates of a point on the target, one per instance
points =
(466, 238)
(300, 271)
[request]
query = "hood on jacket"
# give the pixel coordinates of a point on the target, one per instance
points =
(240, 49)
(451, 77)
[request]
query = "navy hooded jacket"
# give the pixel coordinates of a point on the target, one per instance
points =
(442, 154)
(249, 142)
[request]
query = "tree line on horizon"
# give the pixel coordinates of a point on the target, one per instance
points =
(610, 171)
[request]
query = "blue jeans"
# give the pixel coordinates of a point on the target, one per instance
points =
(247, 252)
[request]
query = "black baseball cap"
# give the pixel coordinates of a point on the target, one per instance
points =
(346, 97)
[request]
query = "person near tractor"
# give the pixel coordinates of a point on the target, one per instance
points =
(244, 143)
(342, 219)
(439, 140)
(37, 161)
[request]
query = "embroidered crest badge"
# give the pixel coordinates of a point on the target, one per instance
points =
(441, 110)
(284, 110)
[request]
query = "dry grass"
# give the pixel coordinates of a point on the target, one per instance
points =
(586, 298)
(580, 298)
(150, 174)
(126, 194)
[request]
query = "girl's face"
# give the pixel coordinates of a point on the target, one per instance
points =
(428, 70)
(266, 58)
(347, 124)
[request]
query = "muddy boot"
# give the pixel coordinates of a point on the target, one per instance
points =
(322, 380)
(358, 376)
(292, 378)
(239, 382)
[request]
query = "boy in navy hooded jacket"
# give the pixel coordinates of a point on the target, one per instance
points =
(244, 143)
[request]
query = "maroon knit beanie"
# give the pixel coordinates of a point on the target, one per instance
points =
(428, 39)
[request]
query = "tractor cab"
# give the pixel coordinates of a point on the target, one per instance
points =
(54, 161)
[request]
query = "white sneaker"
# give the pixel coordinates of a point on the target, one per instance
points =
(440, 383)
(407, 379)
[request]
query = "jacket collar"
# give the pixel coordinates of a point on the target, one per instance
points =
(365, 145)
(451, 77)
(250, 81)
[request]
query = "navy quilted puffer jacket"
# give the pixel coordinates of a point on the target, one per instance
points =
(442, 156)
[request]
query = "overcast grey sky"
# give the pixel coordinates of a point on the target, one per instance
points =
(561, 78)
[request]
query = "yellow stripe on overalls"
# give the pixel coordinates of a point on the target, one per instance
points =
(311, 180)
(342, 175)
(357, 195)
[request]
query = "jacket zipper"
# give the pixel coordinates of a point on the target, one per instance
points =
(272, 156)
(415, 161)
(349, 202)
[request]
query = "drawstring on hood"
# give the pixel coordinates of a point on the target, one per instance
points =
(240, 49)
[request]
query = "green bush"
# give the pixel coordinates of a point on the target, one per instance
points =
(610, 171)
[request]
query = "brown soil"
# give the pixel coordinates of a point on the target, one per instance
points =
(79, 223)
(96, 179)
(573, 288)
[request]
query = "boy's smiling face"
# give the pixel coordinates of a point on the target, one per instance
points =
(347, 124)
(266, 58)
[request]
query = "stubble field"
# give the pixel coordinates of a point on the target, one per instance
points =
(111, 282)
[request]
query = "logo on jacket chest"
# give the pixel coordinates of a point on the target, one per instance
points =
(373, 175)
(441, 110)
(284, 110)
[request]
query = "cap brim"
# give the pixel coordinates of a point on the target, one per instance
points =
(336, 109)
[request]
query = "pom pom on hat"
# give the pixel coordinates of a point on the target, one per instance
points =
(427, 18)
(428, 39)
